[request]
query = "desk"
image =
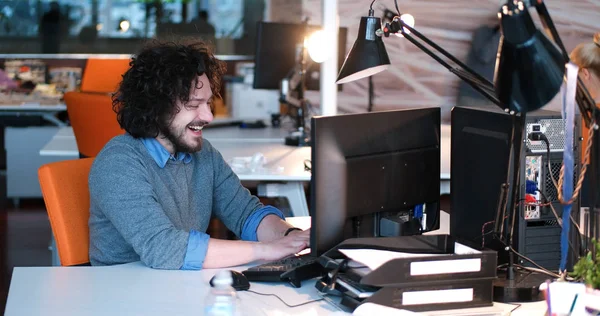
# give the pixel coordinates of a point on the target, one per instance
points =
(46, 110)
(236, 142)
(134, 289)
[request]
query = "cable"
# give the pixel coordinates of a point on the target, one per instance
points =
(530, 269)
(545, 140)
(286, 304)
(371, 7)
(549, 203)
(533, 262)
(586, 162)
(510, 247)
(397, 10)
(560, 223)
(558, 219)
(533, 270)
(514, 309)
(542, 137)
(483, 233)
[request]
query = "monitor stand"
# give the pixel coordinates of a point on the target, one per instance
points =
(524, 287)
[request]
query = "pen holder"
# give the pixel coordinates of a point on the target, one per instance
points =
(568, 298)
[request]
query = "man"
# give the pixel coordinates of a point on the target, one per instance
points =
(50, 29)
(154, 189)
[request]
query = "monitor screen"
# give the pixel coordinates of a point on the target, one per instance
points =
(374, 175)
(275, 54)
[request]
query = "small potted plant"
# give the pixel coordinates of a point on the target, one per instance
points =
(587, 270)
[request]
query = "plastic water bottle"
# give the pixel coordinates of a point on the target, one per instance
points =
(222, 298)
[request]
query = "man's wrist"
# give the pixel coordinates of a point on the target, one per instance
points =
(259, 250)
(291, 229)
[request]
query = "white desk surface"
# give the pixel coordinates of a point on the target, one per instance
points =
(134, 289)
(283, 163)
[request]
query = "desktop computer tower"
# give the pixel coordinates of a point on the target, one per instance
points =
(479, 164)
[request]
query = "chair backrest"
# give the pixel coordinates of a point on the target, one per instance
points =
(65, 190)
(103, 75)
(93, 120)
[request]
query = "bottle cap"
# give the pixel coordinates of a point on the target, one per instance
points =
(223, 277)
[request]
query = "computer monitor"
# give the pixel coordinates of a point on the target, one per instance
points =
(373, 174)
(275, 54)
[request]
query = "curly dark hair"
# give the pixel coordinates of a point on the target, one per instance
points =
(161, 74)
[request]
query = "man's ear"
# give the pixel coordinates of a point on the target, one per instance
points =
(585, 74)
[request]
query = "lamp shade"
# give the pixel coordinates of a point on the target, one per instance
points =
(368, 55)
(529, 68)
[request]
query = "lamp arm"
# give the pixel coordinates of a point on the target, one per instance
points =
(443, 52)
(549, 27)
(475, 80)
(586, 103)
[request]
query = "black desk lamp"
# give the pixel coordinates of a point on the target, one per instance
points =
(529, 73)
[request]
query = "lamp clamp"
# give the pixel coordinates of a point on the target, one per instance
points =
(392, 28)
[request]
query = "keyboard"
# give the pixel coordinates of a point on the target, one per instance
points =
(293, 269)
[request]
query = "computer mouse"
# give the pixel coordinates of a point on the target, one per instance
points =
(240, 282)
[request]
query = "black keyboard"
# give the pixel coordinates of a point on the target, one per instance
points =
(293, 269)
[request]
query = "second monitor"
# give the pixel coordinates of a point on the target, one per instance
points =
(374, 174)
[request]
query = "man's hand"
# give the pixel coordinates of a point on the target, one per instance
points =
(293, 243)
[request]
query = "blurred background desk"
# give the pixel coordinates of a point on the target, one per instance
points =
(22, 141)
(46, 110)
(238, 142)
(283, 174)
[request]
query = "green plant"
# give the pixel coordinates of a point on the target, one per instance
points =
(587, 269)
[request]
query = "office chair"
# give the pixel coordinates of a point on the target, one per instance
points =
(103, 75)
(93, 120)
(65, 190)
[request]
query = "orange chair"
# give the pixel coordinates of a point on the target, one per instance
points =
(103, 75)
(65, 190)
(93, 120)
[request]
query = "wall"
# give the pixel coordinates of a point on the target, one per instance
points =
(415, 79)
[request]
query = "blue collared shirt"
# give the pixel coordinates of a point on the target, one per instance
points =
(161, 155)
(198, 241)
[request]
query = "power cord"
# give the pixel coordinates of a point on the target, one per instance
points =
(533, 262)
(286, 304)
(514, 309)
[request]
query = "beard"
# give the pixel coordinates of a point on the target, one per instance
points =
(177, 138)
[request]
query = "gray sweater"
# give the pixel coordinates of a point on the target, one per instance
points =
(139, 211)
